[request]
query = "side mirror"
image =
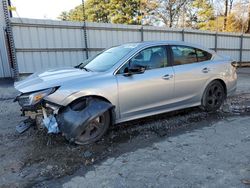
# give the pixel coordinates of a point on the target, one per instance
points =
(136, 69)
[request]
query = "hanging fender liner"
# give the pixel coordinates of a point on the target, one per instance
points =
(73, 122)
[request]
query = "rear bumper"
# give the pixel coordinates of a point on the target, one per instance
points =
(232, 91)
(231, 83)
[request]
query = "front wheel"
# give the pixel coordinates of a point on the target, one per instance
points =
(94, 130)
(213, 96)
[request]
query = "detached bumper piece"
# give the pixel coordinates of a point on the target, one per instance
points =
(73, 122)
(25, 125)
(50, 122)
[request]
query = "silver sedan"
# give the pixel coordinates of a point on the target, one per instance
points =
(124, 83)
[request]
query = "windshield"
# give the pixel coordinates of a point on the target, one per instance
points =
(108, 58)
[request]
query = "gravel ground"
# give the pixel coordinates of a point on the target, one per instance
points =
(188, 148)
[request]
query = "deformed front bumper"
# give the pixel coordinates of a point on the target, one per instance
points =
(71, 122)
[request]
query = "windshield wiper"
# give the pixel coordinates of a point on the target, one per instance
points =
(78, 66)
(86, 69)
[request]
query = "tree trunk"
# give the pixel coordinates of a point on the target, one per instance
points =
(230, 6)
(170, 17)
(248, 22)
(225, 15)
(171, 21)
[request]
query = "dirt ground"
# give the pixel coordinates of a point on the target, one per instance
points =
(188, 148)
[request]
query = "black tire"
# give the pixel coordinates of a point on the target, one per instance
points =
(88, 136)
(213, 96)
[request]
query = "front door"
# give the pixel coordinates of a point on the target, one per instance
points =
(149, 92)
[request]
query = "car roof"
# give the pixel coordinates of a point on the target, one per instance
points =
(169, 42)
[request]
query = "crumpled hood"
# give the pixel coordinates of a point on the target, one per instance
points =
(50, 78)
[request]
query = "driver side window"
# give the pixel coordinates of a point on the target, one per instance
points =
(150, 58)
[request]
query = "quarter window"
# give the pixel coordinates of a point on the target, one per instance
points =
(203, 55)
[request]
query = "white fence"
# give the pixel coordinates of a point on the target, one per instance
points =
(43, 44)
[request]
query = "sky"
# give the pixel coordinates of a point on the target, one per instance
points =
(42, 9)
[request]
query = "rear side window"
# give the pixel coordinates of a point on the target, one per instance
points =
(186, 55)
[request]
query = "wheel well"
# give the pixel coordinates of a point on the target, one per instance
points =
(112, 111)
(91, 96)
(223, 84)
(218, 80)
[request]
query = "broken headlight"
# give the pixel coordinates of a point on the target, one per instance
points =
(31, 99)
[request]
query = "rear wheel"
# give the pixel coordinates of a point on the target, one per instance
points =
(213, 96)
(94, 130)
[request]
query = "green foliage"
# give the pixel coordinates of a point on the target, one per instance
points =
(98, 10)
(204, 12)
(125, 11)
(196, 14)
(115, 11)
(63, 16)
(169, 11)
(76, 14)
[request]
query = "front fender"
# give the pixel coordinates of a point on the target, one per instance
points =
(65, 97)
(82, 94)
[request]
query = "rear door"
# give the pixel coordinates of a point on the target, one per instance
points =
(192, 70)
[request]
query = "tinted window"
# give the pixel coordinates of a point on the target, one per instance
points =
(151, 58)
(203, 55)
(184, 55)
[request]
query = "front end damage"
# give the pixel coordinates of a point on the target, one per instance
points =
(73, 119)
(70, 120)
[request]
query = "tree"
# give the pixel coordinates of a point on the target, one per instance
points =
(169, 11)
(148, 12)
(106, 11)
(76, 14)
(234, 23)
(230, 5)
(95, 11)
(225, 14)
(248, 21)
(126, 12)
(197, 14)
(237, 19)
(63, 16)
(203, 14)
(98, 10)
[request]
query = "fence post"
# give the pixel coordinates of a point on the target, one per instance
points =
(216, 41)
(241, 47)
(10, 38)
(183, 35)
(85, 30)
(142, 33)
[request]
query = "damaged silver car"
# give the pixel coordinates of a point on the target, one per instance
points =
(124, 83)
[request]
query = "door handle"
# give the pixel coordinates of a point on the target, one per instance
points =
(205, 70)
(167, 77)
